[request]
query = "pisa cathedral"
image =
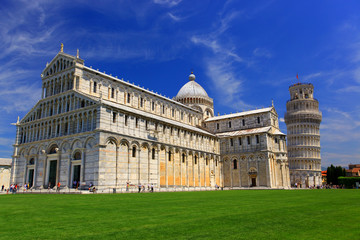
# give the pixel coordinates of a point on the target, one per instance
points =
(91, 127)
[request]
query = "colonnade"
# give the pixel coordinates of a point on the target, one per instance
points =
(82, 121)
(305, 164)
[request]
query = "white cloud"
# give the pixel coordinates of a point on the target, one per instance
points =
(175, 18)
(311, 76)
(262, 52)
(282, 120)
(222, 62)
(6, 141)
(338, 159)
(169, 3)
(340, 126)
(226, 82)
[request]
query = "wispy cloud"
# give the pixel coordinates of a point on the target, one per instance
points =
(262, 52)
(168, 3)
(339, 159)
(311, 76)
(175, 18)
(6, 141)
(222, 60)
(340, 126)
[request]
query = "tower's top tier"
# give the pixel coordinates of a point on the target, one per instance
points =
(301, 91)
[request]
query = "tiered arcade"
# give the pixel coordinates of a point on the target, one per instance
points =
(303, 120)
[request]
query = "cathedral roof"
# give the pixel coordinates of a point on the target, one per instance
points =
(240, 114)
(268, 129)
(191, 89)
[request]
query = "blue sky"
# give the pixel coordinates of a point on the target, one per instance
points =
(244, 53)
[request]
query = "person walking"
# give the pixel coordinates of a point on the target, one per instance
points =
(58, 186)
(139, 187)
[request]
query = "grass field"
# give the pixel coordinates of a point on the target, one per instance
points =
(246, 214)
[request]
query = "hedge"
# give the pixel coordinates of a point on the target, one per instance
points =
(349, 182)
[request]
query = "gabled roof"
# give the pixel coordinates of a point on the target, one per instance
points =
(122, 81)
(153, 116)
(250, 131)
(241, 114)
(5, 161)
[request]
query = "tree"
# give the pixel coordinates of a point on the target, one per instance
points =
(333, 173)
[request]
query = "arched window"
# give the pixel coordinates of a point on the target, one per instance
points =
(53, 149)
(207, 162)
(134, 151)
(95, 85)
(77, 156)
(195, 159)
(169, 156)
(235, 164)
(32, 161)
(183, 157)
(112, 93)
(153, 153)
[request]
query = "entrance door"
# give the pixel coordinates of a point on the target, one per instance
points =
(76, 174)
(31, 177)
(52, 173)
(253, 182)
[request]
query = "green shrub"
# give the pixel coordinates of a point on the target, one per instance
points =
(349, 182)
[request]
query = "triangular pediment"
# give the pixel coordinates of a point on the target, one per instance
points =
(33, 113)
(60, 62)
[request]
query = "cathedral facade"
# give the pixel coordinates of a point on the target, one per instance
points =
(92, 128)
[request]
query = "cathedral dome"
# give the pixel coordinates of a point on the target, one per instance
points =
(191, 89)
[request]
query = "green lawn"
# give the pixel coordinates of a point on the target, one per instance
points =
(244, 214)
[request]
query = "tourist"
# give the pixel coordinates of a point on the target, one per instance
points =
(58, 186)
(2, 188)
(139, 188)
(143, 188)
(152, 188)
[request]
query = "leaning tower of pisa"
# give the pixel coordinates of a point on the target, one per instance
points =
(302, 120)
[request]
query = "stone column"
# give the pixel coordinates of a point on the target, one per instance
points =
(35, 171)
(187, 169)
(44, 170)
(138, 168)
(166, 167)
(116, 166)
(83, 155)
(149, 159)
(25, 169)
(58, 167)
(240, 185)
(231, 172)
(69, 170)
(158, 167)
